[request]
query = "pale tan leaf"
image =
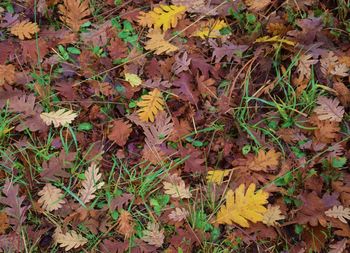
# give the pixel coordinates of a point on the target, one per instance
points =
(257, 5)
(304, 65)
(51, 198)
(329, 109)
(74, 13)
(338, 247)
(58, 118)
(176, 188)
(157, 43)
(7, 74)
(339, 212)
(125, 224)
(340, 70)
(153, 235)
(24, 30)
(178, 214)
(90, 184)
(69, 240)
(272, 215)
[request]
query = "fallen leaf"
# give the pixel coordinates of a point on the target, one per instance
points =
(51, 198)
(340, 212)
(217, 176)
(74, 13)
(153, 235)
(62, 117)
(272, 215)
(24, 30)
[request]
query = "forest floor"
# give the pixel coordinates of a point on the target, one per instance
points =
(174, 126)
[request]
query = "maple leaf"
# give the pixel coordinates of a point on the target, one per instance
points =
(53, 168)
(153, 235)
(157, 43)
(133, 79)
(338, 247)
(150, 104)
(211, 29)
(4, 222)
(51, 198)
(176, 188)
(74, 13)
(120, 132)
(7, 74)
(340, 212)
(58, 118)
(272, 215)
(164, 16)
(329, 109)
(243, 207)
(217, 176)
(263, 161)
(257, 5)
(304, 65)
(178, 214)
(90, 184)
(24, 30)
(69, 240)
(125, 224)
(14, 209)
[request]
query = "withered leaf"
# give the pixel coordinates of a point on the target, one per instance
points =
(120, 132)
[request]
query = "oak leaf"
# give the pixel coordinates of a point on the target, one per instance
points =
(343, 93)
(69, 240)
(125, 224)
(90, 184)
(228, 49)
(153, 235)
(211, 29)
(178, 214)
(54, 167)
(150, 104)
(272, 215)
(257, 5)
(7, 74)
(263, 161)
(4, 222)
(340, 212)
(217, 176)
(74, 13)
(158, 43)
(181, 64)
(242, 207)
(329, 109)
(304, 65)
(338, 247)
(158, 132)
(164, 16)
(176, 188)
(58, 118)
(51, 198)
(120, 132)
(24, 30)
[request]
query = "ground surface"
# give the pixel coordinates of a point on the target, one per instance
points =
(180, 126)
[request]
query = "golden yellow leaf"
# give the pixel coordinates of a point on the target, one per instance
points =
(24, 30)
(69, 240)
(7, 74)
(150, 104)
(257, 5)
(340, 212)
(51, 198)
(211, 29)
(275, 39)
(243, 207)
(133, 79)
(217, 176)
(90, 183)
(58, 118)
(263, 161)
(164, 16)
(158, 43)
(272, 215)
(74, 13)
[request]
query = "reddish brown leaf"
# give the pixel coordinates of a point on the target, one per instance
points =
(120, 132)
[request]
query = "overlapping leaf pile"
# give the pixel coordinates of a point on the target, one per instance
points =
(174, 126)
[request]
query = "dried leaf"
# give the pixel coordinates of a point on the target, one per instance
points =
(69, 240)
(120, 132)
(211, 29)
(4, 222)
(74, 13)
(90, 184)
(153, 235)
(125, 224)
(7, 74)
(274, 39)
(178, 214)
(164, 16)
(51, 198)
(304, 65)
(217, 176)
(339, 212)
(133, 79)
(54, 168)
(176, 188)
(24, 30)
(157, 43)
(343, 93)
(272, 215)
(263, 161)
(181, 64)
(150, 104)
(329, 109)
(58, 118)
(243, 207)
(339, 246)
(231, 51)
(257, 5)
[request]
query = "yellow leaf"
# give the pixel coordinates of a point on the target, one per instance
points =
(58, 118)
(217, 176)
(275, 39)
(243, 207)
(272, 215)
(163, 16)
(150, 105)
(158, 43)
(211, 29)
(74, 13)
(24, 30)
(133, 79)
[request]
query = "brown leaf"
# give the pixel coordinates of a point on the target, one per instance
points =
(257, 5)
(315, 238)
(329, 109)
(120, 132)
(113, 246)
(343, 93)
(24, 30)
(339, 246)
(153, 235)
(4, 222)
(74, 13)
(194, 160)
(125, 224)
(54, 168)
(120, 201)
(7, 74)
(264, 161)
